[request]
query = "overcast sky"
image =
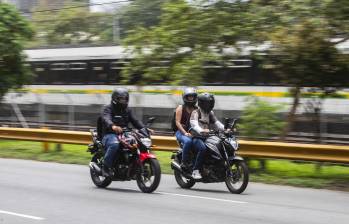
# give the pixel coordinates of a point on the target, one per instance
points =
(106, 7)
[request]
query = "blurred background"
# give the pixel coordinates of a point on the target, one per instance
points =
(279, 66)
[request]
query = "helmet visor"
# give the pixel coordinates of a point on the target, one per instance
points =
(121, 100)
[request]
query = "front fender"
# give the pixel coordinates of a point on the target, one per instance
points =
(145, 155)
(236, 158)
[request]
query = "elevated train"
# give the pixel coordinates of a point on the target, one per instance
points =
(103, 65)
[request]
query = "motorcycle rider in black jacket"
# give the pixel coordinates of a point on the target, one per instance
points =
(115, 117)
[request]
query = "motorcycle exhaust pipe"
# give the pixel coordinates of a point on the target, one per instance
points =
(175, 165)
(95, 167)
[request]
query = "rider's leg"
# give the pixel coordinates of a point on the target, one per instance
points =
(187, 143)
(200, 146)
(112, 145)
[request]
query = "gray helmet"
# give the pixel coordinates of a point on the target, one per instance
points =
(188, 92)
(206, 102)
(119, 98)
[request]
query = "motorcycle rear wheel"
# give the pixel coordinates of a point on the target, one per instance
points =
(149, 179)
(99, 180)
(237, 183)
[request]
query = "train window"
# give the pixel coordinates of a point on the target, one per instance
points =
(98, 68)
(59, 66)
(212, 64)
(118, 64)
(77, 66)
(40, 67)
(239, 63)
(100, 65)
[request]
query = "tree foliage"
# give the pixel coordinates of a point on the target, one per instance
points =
(14, 31)
(261, 119)
(143, 13)
(187, 37)
(75, 25)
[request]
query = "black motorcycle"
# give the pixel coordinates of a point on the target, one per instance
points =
(221, 164)
(135, 162)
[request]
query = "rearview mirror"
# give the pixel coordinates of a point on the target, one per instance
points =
(226, 123)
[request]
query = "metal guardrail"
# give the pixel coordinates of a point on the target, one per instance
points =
(258, 149)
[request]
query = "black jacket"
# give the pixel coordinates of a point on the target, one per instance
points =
(109, 119)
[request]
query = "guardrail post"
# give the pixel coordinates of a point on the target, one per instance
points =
(59, 147)
(45, 145)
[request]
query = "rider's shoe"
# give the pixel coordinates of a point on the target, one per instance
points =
(196, 175)
(185, 167)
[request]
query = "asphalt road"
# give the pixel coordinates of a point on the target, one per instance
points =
(37, 192)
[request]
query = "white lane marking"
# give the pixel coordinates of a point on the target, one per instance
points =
(200, 197)
(21, 215)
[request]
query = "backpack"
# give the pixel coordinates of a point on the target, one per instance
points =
(173, 122)
(99, 128)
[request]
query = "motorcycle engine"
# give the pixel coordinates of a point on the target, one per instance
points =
(213, 173)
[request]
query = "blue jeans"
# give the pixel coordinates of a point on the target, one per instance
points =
(112, 145)
(200, 147)
(187, 143)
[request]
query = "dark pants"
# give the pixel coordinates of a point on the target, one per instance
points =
(187, 143)
(112, 145)
(200, 147)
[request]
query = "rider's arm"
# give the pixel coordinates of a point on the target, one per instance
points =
(194, 122)
(179, 110)
(136, 123)
(216, 122)
(107, 117)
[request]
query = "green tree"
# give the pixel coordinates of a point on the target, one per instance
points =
(143, 13)
(187, 37)
(14, 31)
(261, 119)
(302, 36)
(75, 25)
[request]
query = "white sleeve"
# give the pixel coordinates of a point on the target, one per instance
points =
(194, 122)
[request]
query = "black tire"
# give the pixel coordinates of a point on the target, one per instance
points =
(97, 179)
(149, 179)
(240, 173)
(182, 181)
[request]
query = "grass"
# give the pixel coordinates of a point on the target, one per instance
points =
(280, 172)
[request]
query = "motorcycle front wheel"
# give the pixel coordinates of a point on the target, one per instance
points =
(148, 178)
(98, 179)
(238, 180)
(182, 181)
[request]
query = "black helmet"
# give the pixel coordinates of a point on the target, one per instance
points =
(206, 102)
(190, 91)
(119, 98)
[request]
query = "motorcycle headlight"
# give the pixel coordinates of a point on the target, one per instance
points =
(234, 143)
(146, 142)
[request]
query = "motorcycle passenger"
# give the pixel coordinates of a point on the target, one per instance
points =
(201, 120)
(183, 113)
(115, 117)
